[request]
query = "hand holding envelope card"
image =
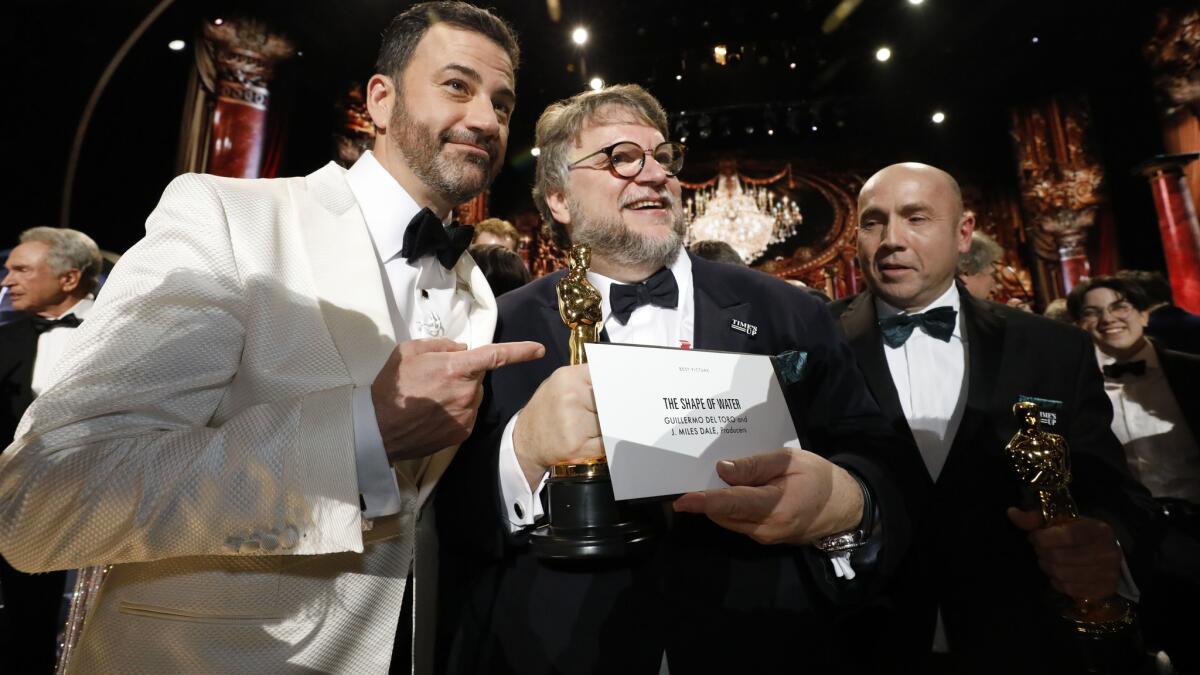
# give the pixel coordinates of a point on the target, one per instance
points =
(668, 415)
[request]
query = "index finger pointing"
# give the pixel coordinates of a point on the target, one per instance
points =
(478, 361)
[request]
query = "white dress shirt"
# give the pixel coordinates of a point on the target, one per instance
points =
(647, 325)
(931, 380)
(1147, 419)
(52, 344)
(423, 299)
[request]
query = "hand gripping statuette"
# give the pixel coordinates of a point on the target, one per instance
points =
(585, 521)
(1106, 629)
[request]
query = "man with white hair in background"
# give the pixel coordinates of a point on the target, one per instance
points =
(51, 276)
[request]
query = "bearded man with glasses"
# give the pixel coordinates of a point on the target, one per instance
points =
(734, 581)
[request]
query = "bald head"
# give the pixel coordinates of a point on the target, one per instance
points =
(911, 229)
(918, 171)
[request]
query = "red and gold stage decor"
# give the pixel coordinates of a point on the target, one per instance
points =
(1060, 189)
(471, 212)
(544, 255)
(355, 132)
(744, 212)
(1178, 226)
(244, 54)
(825, 257)
(1174, 57)
(998, 214)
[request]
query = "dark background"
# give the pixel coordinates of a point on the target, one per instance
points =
(972, 60)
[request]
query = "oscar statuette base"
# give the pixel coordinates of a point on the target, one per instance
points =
(1106, 635)
(586, 522)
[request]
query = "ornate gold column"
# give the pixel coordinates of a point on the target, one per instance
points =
(1177, 225)
(244, 54)
(1060, 189)
(1174, 57)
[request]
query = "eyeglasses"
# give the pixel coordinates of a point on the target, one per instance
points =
(1120, 309)
(627, 159)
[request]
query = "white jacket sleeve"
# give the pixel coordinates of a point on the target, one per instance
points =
(122, 459)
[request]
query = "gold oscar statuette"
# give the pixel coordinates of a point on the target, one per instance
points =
(585, 521)
(1042, 462)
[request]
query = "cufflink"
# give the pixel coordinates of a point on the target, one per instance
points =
(519, 511)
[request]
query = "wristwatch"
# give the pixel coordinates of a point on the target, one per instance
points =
(840, 542)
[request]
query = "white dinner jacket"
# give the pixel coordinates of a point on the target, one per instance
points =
(199, 437)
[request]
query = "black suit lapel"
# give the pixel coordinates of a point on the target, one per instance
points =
(557, 347)
(862, 331)
(18, 349)
(1183, 378)
(716, 307)
(986, 360)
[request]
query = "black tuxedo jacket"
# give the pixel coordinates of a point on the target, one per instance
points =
(18, 348)
(967, 556)
(714, 599)
(1182, 371)
(1175, 328)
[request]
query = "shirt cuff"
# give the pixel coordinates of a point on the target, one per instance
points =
(1126, 588)
(379, 494)
(522, 506)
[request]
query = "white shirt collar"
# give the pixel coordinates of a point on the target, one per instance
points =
(681, 269)
(949, 299)
(79, 309)
(1146, 353)
(386, 205)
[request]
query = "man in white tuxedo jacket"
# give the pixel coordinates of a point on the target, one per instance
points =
(265, 394)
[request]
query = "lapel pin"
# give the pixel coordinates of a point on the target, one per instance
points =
(743, 327)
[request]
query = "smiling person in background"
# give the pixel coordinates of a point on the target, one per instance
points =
(1156, 398)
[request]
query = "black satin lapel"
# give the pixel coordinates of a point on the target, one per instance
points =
(22, 350)
(557, 347)
(986, 359)
(714, 323)
(862, 332)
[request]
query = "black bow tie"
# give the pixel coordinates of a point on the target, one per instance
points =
(938, 322)
(42, 324)
(425, 235)
(1114, 371)
(659, 290)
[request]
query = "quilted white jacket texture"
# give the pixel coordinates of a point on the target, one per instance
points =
(199, 437)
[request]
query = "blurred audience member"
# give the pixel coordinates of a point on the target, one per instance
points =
(976, 265)
(51, 276)
(1155, 394)
(815, 292)
(503, 268)
(1057, 310)
(716, 251)
(496, 231)
(1171, 326)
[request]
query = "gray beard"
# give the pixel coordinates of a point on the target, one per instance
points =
(611, 239)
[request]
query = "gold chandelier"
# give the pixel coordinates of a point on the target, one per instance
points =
(749, 217)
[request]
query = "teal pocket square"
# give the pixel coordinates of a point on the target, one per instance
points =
(790, 366)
